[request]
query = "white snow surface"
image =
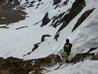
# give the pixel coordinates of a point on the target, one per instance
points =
(18, 42)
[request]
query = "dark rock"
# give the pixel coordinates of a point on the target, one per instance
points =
(95, 57)
(8, 16)
(56, 20)
(21, 27)
(43, 37)
(45, 20)
(12, 3)
(91, 49)
(13, 62)
(34, 48)
(81, 56)
(50, 60)
(2, 63)
(56, 36)
(82, 18)
(5, 27)
(39, 0)
(65, 2)
(77, 6)
(3, 3)
(5, 71)
(31, 4)
(55, 2)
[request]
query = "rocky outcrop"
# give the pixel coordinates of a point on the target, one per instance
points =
(82, 18)
(64, 19)
(31, 4)
(81, 57)
(77, 6)
(13, 65)
(65, 2)
(56, 20)
(44, 36)
(3, 3)
(45, 20)
(9, 3)
(8, 16)
(56, 36)
(55, 2)
(33, 49)
(21, 27)
(95, 57)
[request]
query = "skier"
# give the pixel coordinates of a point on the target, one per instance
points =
(67, 49)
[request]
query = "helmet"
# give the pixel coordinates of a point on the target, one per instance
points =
(67, 40)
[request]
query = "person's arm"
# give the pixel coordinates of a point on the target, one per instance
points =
(71, 45)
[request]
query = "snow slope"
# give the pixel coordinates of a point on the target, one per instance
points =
(86, 67)
(18, 42)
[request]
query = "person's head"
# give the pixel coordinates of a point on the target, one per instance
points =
(67, 40)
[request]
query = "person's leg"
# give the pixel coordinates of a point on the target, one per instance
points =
(65, 57)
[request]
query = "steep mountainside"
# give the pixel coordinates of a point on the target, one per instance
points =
(33, 29)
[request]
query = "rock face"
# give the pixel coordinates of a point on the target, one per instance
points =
(64, 19)
(5, 72)
(43, 37)
(3, 2)
(8, 14)
(45, 20)
(96, 57)
(9, 3)
(81, 56)
(82, 18)
(13, 65)
(56, 2)
(77, 6)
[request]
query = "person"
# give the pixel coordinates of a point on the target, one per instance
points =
(67, 48)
